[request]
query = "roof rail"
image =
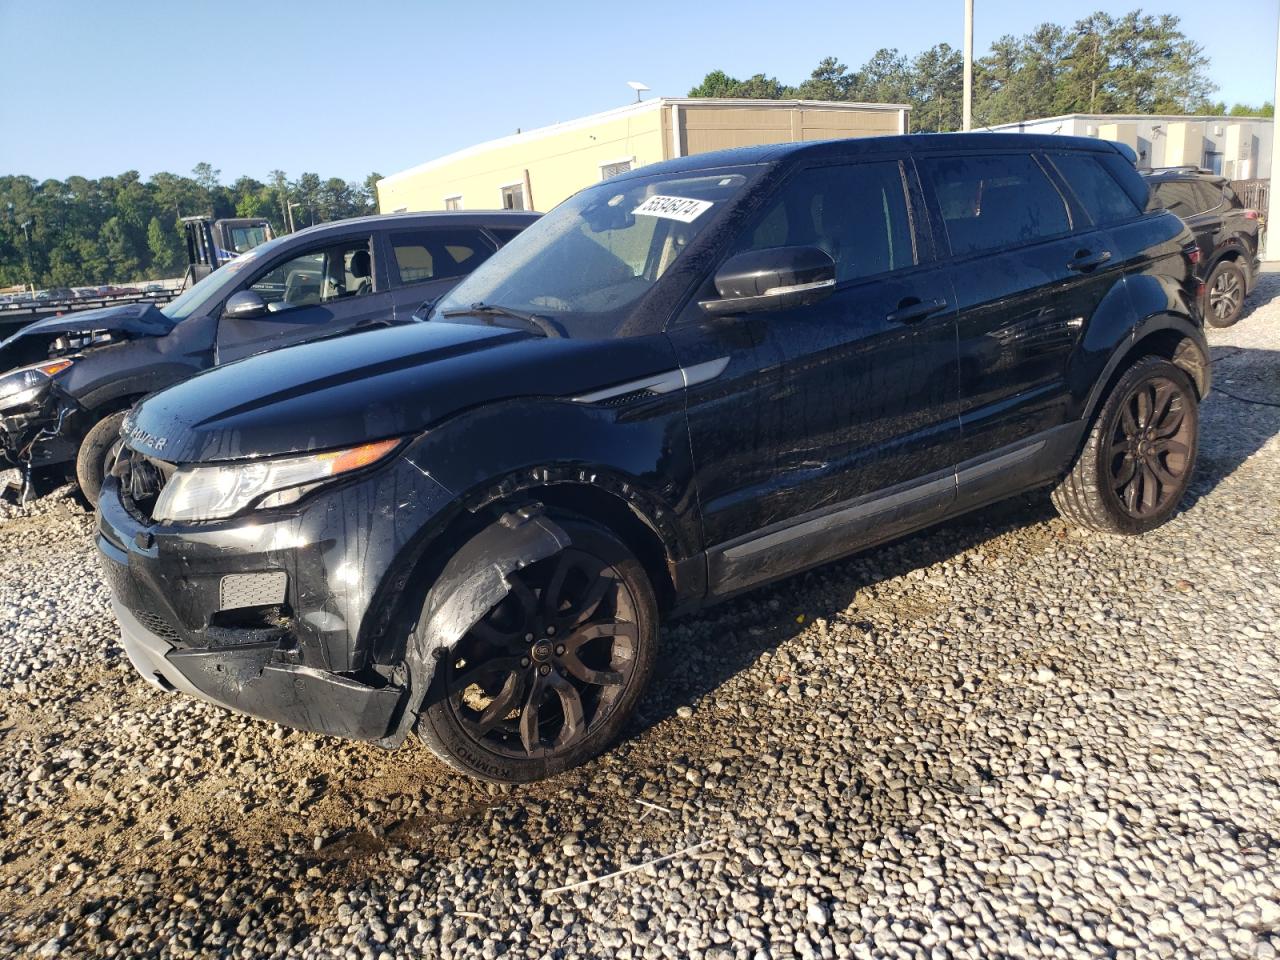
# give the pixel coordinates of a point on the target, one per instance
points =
(1183, 168)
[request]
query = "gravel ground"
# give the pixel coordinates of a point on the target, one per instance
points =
(1001, 737)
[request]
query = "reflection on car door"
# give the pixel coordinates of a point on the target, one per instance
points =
(834, 424)
(1026, 283)
(326, 289)
(427, 262)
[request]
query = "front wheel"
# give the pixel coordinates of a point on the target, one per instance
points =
(548, 677)
(1138, 459)
(91, 461)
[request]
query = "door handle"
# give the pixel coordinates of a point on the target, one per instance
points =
(1084, 261)
(912, 310)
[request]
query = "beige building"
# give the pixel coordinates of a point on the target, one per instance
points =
(536, 169)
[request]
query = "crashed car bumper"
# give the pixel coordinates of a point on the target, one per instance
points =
(34, 437)
(271, 614)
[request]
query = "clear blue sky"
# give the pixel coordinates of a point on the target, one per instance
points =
(344, 88)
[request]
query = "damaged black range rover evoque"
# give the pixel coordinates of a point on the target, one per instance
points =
(679, 384)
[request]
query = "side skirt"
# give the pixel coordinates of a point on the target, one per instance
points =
(812, 539)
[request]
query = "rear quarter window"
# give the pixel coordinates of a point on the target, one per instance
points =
(994, 201)
(1097, 190)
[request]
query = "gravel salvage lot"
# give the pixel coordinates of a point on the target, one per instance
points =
(1001, 737)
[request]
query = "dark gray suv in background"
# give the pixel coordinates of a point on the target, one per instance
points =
(71, 378)
(681, 383)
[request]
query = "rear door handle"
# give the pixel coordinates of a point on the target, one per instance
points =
(912, 310)
(1084, 261)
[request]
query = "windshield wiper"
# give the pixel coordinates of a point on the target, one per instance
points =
(543, 325)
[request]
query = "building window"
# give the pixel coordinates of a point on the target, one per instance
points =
(453, 203)
(608, 170)
(513, 197)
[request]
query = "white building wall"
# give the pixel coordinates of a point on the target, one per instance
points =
(1236, 147)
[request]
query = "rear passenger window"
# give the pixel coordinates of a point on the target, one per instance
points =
(1182, 197)
(995, 201)
(1100, 195)
(856, 213)
(423, 255)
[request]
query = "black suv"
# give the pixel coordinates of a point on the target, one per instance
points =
(71, 378)
(682, 382)
(1226, 233)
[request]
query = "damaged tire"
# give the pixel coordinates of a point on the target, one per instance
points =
(91, 461)
(549, 676)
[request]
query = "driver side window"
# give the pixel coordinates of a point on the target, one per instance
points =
(337, 271)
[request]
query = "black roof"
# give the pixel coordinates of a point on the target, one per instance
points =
(434, 218)
(917, 143)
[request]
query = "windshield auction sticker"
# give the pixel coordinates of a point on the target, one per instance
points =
(673, 208)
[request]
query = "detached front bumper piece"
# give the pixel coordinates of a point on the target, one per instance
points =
(244, 678)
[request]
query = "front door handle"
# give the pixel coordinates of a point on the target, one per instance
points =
(913, 310)
(1085, 260)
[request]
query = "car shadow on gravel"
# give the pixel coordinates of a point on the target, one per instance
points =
(702, 652)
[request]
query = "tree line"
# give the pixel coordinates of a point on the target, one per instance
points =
(121, 229)
(1136, 63)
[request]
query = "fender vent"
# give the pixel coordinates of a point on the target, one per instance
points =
(623, 399)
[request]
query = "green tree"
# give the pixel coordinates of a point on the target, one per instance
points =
(938, 76)
(830, 80)
(164, 247)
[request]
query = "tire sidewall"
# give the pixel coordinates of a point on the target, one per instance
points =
(440, 728)
(1222, 267)
(91, 458)
(1143, 370)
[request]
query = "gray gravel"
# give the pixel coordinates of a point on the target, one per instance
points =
(1001, 737)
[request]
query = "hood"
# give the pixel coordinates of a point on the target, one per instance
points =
(138, 319)
(373, 385)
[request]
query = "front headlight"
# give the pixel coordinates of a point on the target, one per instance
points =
(223, 490)
(24, 384)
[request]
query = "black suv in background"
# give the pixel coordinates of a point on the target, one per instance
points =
(681, 383)
(1226, 233)
(71, 378)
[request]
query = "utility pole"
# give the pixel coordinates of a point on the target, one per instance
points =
(968, 65)
(1273, 201)
(26, 232)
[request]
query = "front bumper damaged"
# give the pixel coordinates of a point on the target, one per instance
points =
(35, 439)
(277, 615)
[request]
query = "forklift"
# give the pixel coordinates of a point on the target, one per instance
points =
(211, 243)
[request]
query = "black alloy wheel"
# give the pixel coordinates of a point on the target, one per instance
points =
(1138, 458)
(548, 676)
(1151, 447)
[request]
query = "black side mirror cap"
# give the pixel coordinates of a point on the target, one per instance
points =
(775, 278)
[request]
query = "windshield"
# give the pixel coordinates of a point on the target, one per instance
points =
(586, 264)
(213, 285)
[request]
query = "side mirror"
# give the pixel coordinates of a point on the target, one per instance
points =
(772, 279)
(244, 305)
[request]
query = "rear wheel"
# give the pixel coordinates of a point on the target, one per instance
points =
(548, 677)
(91, 461)
(1139, 457)
(1224, 294)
